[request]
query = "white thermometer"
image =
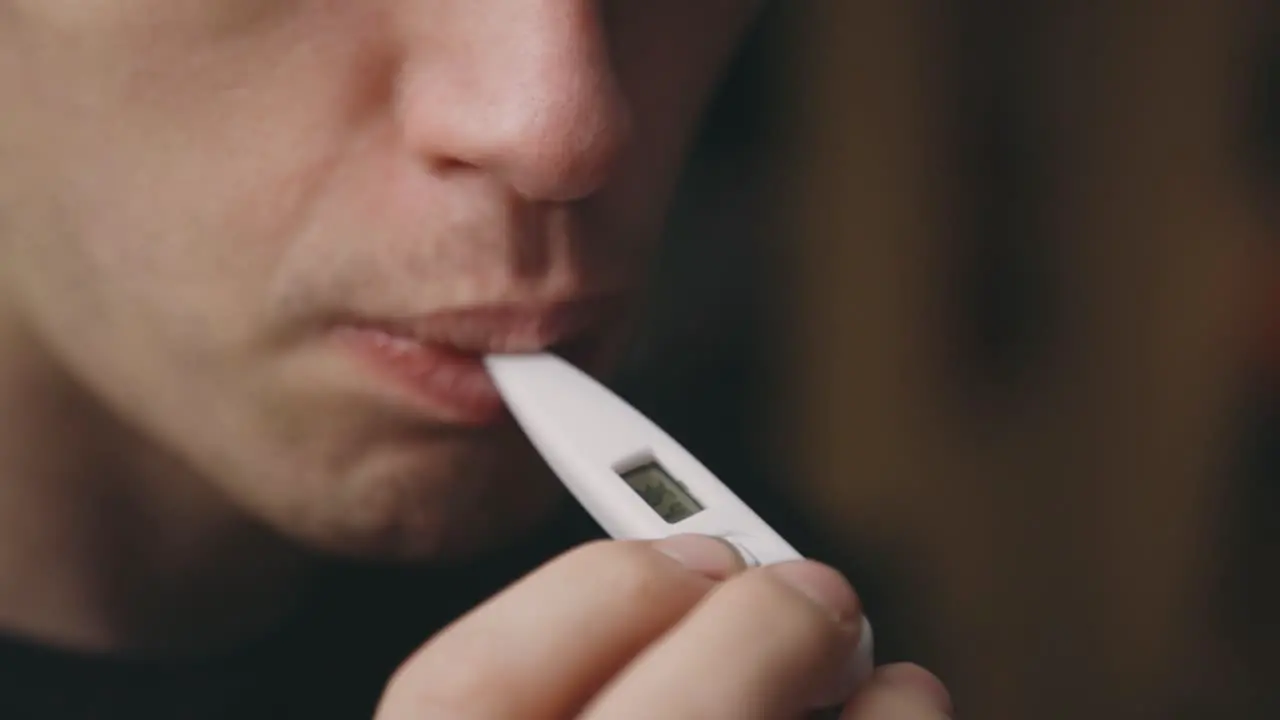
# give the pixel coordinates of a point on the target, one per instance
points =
(630, 476)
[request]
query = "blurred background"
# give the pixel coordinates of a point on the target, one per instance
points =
(980, 302)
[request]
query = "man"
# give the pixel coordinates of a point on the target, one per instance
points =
(250, 253)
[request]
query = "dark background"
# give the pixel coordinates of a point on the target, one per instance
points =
(1007, 286)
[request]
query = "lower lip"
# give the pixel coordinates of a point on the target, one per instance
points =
(451, 383)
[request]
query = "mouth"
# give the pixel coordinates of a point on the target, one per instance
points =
(437, 359)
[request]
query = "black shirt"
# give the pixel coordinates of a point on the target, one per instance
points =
(331, 660)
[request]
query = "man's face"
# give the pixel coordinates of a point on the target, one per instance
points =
(274, 236)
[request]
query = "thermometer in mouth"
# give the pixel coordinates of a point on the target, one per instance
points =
(630, 475)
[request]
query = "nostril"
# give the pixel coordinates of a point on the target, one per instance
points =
(446, 165)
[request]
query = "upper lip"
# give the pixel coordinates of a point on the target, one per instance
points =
(502, 327)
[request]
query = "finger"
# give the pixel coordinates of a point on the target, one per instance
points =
(544, 646)
(770, 643)
(901, 692)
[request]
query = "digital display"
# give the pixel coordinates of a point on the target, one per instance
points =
(662, 492)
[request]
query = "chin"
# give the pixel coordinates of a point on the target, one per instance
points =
(439, 502)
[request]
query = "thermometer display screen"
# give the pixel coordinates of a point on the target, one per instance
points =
(662, 492)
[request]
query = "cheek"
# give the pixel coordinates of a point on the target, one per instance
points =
(137, 243)
(159, 186)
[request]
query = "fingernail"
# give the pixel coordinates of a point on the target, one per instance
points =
(857, 670)
(862, 663)
(824, 586)
(703, 554)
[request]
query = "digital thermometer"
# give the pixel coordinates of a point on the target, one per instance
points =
(630, 475)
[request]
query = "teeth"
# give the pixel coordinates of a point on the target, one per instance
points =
(395, 345)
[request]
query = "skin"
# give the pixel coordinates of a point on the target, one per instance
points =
(690, 606)
(190, 190)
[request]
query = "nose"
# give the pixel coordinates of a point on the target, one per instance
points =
(524, 92)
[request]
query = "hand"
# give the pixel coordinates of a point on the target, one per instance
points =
(671, 629)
